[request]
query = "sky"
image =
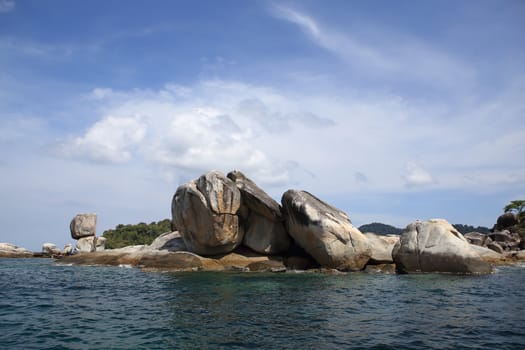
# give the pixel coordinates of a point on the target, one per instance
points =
(390, 111)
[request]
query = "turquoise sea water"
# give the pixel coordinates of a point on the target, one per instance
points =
(46, 306)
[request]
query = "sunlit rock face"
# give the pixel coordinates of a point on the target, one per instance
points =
(204, 212)
(436, 246)
(324, 232)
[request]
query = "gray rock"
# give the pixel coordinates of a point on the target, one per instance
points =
(68, 249)
(86, 244)
(50, 249)
(8, 250)
(495, 246)
(477, 238)
(100, 244)
(381, 248)
(205, 214)
(489, 255)
(324, 232)
(436, 246)
(261, 216)
(83, 225)
(170, 241)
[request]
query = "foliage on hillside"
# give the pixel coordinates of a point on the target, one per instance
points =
(468, 228)
(380, 229)
(141, 233)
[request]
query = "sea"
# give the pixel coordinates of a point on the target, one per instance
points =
(48, 306)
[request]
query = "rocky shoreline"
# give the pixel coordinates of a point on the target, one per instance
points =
(228, 223)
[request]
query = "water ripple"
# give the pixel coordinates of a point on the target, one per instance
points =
(65, 307)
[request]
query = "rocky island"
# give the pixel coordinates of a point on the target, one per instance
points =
(228, 223)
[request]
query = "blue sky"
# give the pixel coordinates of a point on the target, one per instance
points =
(392, 111)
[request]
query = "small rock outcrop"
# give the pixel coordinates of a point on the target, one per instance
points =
(205, 213)
(8, 250)
(170, 241)
(83, 225)
(324, 232)
(381, 248)
(477, 238)
(436, 246)
(50, 249)
(506, 221)
(264, 230)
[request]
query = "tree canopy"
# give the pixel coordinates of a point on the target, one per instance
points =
(517, 207)
(141, 233)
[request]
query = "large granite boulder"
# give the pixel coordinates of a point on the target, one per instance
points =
(436, 246)
(506, 239)
(83, 225)
(86, 244)
(324, 232)
(381, 248)
(264, 230)
(100, 244)
(205, 213)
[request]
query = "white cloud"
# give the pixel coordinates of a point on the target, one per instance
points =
(7, 6)
(111, 139)
(335, 141)
(417, 176)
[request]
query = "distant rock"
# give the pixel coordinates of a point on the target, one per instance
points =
(477, 238)
(436, 246)
(205, 213)
(170, 241)
(8, 250)
(324, 232)
(264, 230)
(83, 225)
(381, 248)
(50, 249)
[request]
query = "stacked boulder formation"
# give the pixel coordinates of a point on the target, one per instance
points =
(504, 237)
(83, 228)
(229, 223)
(216, 215)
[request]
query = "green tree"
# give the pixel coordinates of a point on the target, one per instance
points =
(141, 233)
(517, 207)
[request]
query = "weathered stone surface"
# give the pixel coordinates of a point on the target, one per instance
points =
(324, 232)
(381, 248)
(50, 249)
(100, 243)
(495, 246)
(205, 214)
(83, 225)
(8, 250)
(163, 260)
(86, 244)
(170, 241)
(264, 230)
(68, 249)
(489, 255)
(477, 238)
(436, 246)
